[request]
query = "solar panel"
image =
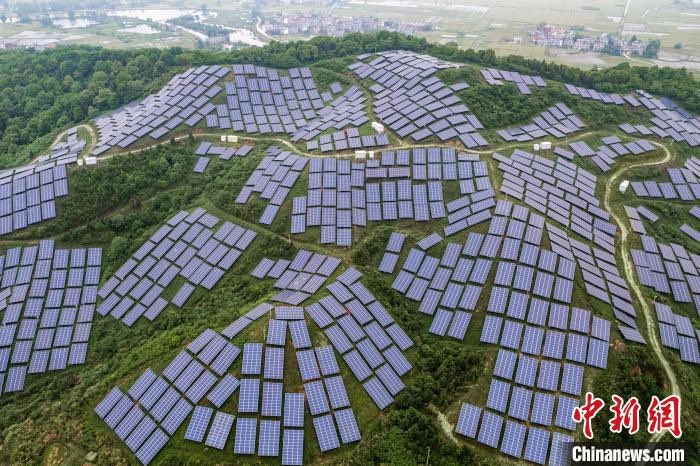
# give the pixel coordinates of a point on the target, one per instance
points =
(198, 424)
(513, 439)
(468, 420)
(268, 442)
(490, 430)
(246, 432)
(537, 445)
(219, 431)
(292, 447)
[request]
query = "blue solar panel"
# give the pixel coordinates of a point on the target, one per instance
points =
(513, 439)
(249, 396)
(537, 445)
(468, 420)
(326, 433)
(268, 442)
(572, 379)
(565, 409)
(347, 425)
(527, 370)
(381, 397)
(490, 431)
(543, 407)
(292, 447)
(220, 429)
(498, 395)
(198, 424)
(246, 432)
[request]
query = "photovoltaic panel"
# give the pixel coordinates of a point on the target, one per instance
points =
(198, 424)
(490, 430)
(220, 429)
(246, 433)
(537, 445)
(292, 447)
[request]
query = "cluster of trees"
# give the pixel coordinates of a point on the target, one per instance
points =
(40, 92)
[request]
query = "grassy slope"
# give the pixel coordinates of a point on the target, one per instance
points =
(57, 408)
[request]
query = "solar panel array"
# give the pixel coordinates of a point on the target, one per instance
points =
(393, 249)
(224, 153)
(47, 302)
(635, 214)
(608, 98)
(401, 184)
(28, 193)
(65, 150)
(560, 190)
(273, 179)
(257, 100)
(187, 246)
(365, 334)
(449, 287)
(538, 374)
(684, 185)
(414, 103)
(668, 118)
(327, 398)
(670, 269)
(557, 121)
(601, 276)
(677, 332)
(607, 153)
(300, 278)
(523, 81)
(348, 139)
(149, 413)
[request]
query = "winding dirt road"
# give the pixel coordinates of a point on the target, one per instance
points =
(628, 271)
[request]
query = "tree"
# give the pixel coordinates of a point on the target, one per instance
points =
(652, 49)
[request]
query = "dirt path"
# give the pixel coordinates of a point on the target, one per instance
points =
(628, 271)
(445, 425)
(60, 136)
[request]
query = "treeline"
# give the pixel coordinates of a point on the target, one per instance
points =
(43, 91)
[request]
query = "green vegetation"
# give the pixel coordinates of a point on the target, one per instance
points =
(652, 49)
(60, 87)
(120, 202)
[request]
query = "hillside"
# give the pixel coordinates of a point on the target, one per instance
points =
(454, 228)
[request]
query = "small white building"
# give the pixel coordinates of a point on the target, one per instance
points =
(361, 154)
(370, 154)
(231, 138)
(624, 185)
(378, 127)
(546, 145)
(536, 147)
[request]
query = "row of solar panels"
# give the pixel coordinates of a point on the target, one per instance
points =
(349, 139)
(635, 217)
(684, 185)
(272, 179)
(187, 245)
(677, 333)
(298, 279)
(523, 82)
(559, 189)
(557, 121)
(253, 104)
(49, 297)
(669, 119)
(412, 102)
(669, 269)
